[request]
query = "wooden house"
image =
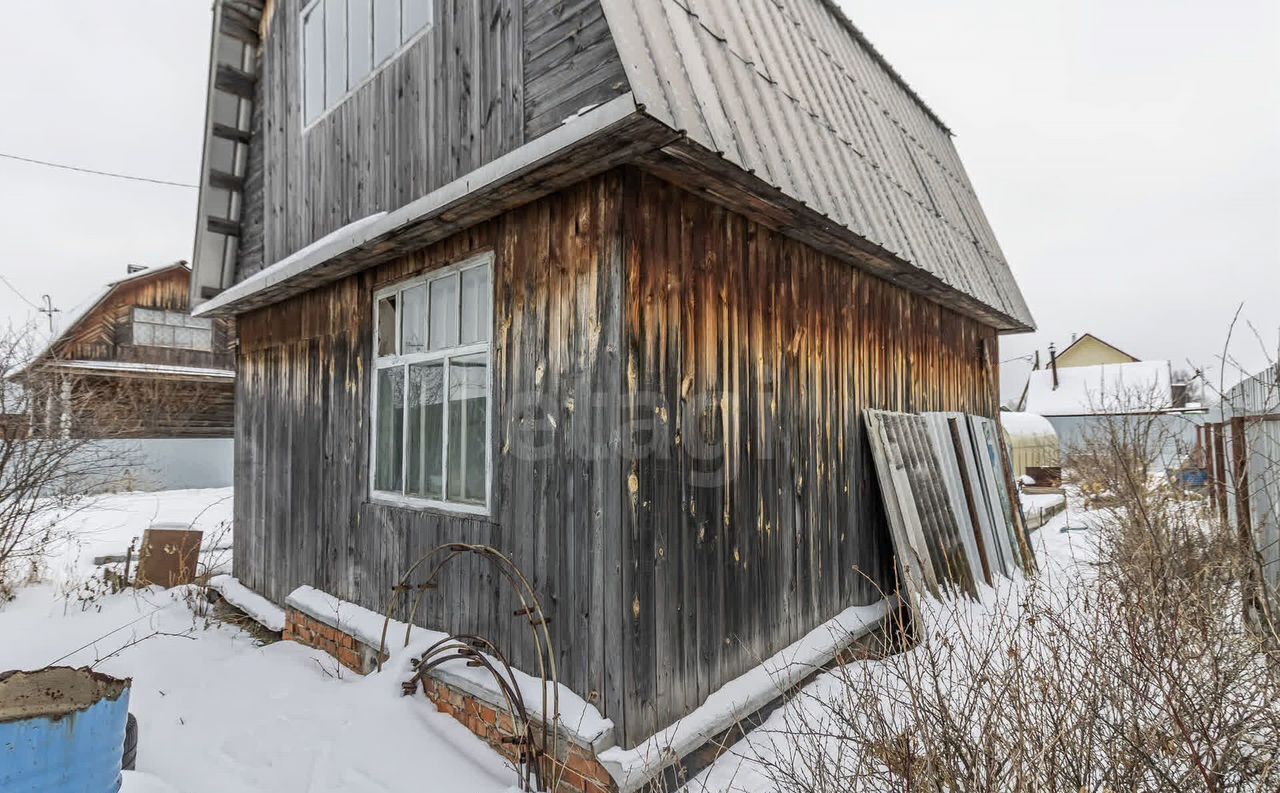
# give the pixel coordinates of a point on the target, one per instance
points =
(605, 285)
(131, 367)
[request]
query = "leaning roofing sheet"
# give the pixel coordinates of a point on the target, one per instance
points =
(790, 91)
(1106, 389)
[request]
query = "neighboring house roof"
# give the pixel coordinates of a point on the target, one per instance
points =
(78, 314)
(1089, 337)
(1107, 389)
(782, 107)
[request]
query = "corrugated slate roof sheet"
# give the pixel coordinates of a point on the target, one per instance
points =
(790, 91)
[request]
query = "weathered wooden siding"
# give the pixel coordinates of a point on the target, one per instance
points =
(751, 512)
(303, 511)
(487, 76)
(136, 407)
(679, 461)
(570, 61)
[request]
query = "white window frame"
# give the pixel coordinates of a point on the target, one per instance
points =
(373, 71)
(402, 361)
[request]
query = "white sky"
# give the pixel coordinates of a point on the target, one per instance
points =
(1127, 153)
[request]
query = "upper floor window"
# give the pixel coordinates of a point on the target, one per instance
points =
(155, 328)
(431, 388)
(344, 41)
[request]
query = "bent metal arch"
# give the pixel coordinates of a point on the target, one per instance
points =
(533, 743)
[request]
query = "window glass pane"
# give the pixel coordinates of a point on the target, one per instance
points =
(335, 50)
(143, 333)
(313, 62)
(477, 316)
(389, 429)
(386, 29)
(203, 339)
(417, 15)
(163, 335)
(426, 430)
(387, 325)
(468, 412)
(359, 39)
(147, 315)
(413, 315)
(444, 312)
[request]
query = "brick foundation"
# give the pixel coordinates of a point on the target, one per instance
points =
(575, 770)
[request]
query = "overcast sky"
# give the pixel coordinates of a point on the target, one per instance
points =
(1127, 153)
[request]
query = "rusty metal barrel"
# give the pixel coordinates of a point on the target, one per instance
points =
(62, 731)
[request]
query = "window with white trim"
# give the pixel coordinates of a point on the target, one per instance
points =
(432, 387)
(345, 41)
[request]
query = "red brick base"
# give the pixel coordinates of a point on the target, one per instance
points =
(575, 770)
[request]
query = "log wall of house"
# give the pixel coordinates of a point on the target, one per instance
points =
(678, 453)
(751, 513)
(454, 100)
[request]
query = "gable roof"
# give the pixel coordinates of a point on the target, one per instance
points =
(1108, 345)
(777, 108)
(85, 308)
(790, 90)
(1105, 389)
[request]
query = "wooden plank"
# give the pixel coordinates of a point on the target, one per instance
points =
(236, 82)
(227, 132)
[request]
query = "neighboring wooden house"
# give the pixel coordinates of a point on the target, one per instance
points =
(604, 285)
(132, 367)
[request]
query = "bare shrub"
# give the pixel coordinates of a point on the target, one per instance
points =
(43, 470)
(1132, 669)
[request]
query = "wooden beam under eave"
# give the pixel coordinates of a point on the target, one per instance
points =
(223, 226)
(234, 81)
(239, 25)
(227, 132)
(226, 181)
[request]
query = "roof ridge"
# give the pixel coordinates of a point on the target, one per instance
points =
(822, 121)
(862, 39)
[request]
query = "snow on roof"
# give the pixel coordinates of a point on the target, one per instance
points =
(352, 235)
(131, 367)
(1028, 427)
(1106, 389)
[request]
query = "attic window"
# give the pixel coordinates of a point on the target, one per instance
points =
(431, 389)
(346, 41)
(174, 329)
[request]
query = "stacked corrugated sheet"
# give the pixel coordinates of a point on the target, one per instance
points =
(950, 498)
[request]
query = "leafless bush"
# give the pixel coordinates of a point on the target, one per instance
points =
(1133, 670)
(54, 430)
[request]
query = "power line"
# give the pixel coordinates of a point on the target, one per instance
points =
(97, 173)
(6, 282)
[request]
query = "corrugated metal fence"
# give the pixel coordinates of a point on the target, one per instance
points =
(1242, 453)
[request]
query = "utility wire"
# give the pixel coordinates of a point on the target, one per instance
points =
(97, 173)
(6, 282)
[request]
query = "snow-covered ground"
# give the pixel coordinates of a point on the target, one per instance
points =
(1059, 555)
(105, 525)
(217, 711)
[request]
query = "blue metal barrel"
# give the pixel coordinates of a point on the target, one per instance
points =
(61, 731)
